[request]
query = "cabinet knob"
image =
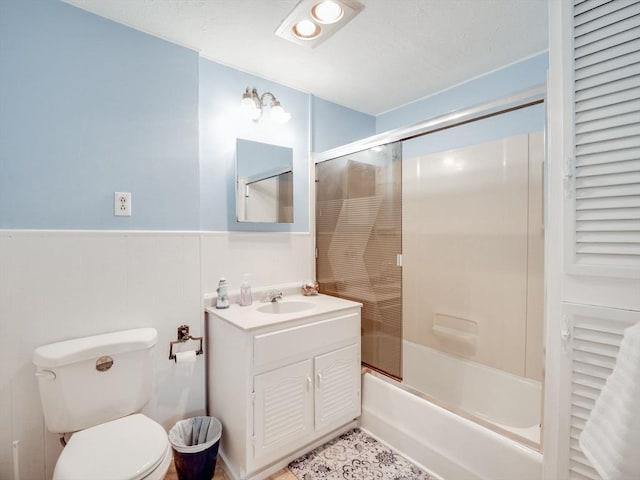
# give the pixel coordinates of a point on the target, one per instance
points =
(319, 379)
(308, 383)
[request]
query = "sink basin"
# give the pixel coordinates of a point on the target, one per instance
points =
(285, 307)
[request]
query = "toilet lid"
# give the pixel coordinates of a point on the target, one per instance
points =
(124, 449)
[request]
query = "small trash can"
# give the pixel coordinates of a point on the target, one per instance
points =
(195, 444)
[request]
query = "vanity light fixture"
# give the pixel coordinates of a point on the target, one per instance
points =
(313, 21)
(253, 104)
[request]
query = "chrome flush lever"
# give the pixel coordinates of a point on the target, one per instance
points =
(48, 374)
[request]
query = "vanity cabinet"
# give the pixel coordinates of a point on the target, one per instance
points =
(284, 386)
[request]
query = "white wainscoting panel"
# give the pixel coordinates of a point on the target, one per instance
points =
(56, 285)
(270, 258)
(6, 430)
(59, 285)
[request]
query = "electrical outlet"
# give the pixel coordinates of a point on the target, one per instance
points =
(122, 204)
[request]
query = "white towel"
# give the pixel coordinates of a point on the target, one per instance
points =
(611, 437)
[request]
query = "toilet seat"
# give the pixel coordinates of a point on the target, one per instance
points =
(129, 448)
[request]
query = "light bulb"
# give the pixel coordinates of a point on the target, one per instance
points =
(247, 103)
(250, 106)
(278, 114)
(255, 113)
(306, 29)
(327, 12)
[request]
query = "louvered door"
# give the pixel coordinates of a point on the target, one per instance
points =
(337, 388)
(593, 342)
(592, 278)
(603, 174)
(283, 413)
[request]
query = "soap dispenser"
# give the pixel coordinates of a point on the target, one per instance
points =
(245, 292)
(223, 297)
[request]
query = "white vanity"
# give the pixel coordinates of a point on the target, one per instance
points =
(283, 378)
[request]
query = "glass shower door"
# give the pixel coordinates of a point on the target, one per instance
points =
(359, 245)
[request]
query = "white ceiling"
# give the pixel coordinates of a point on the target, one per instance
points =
(392, 53)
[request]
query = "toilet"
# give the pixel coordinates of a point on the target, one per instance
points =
(94, 388)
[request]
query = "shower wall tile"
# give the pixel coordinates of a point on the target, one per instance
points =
(535, 261)
(465, 249)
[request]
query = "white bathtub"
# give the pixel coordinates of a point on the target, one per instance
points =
(445, 444)
(508, 401)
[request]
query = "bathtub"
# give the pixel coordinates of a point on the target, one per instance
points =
(506, 401)
(445, 444)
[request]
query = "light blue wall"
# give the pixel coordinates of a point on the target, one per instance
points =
(518, 77)
(502, 83)
(530, 119)
(222, 121)
(89, 107)
(334, 125)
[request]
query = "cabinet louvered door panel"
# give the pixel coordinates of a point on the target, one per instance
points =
(596, 334)
(604, 177)
(337, 387)
(283, 413)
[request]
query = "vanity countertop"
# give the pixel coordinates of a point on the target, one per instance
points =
(250, 318)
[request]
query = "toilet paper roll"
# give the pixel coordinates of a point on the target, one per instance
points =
(186, 357)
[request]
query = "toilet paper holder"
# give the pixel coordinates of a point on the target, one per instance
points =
(184, 336)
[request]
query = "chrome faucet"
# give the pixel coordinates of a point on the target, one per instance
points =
(273, 296)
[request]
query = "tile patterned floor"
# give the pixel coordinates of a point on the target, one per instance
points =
(355, 455)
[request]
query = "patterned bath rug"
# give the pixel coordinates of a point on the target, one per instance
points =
(354, 455)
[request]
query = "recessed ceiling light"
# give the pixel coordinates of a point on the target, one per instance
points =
(327, 12)
(306, 29)
(311, 22)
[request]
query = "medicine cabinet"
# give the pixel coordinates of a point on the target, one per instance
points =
(264, 182)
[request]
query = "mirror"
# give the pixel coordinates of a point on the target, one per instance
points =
(264, 182)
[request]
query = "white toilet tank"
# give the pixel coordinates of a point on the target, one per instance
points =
(80, 387)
